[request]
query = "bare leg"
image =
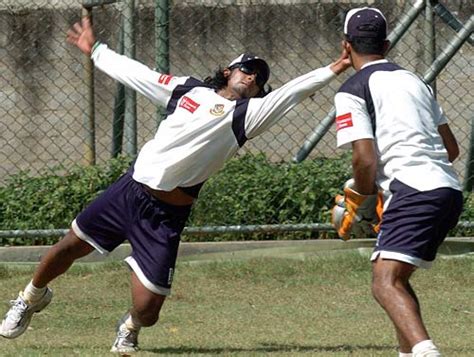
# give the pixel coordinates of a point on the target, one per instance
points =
(145, 312)
(146, 304)
(392, 290)
(59, 258)
(36, 296)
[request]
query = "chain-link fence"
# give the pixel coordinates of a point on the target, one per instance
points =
(47, 118)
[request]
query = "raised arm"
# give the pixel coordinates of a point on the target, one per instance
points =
(154, 85)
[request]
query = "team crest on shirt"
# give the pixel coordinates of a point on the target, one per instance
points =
(217, 110)
(344, 121)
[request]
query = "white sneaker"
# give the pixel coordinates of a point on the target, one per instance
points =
(18, 318)
(127, 340)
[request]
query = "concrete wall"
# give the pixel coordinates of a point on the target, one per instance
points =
(42, 81)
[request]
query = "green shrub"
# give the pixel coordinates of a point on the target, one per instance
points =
(466, 216)
(52, 200)
(250, 190)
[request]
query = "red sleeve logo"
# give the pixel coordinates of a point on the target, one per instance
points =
(164, 79)
(343, 121)
(189, 104)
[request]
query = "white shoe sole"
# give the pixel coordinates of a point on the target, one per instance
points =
(29, 314)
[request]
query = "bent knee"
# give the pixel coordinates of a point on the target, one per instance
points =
(71, 246)
(376, 288)
(382, 285)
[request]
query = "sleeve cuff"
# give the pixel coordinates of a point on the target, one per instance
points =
(94, 47)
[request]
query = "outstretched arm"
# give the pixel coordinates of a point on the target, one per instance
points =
(82, 36)
(262, 113)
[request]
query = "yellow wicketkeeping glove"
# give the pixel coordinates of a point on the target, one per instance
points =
(357, 214)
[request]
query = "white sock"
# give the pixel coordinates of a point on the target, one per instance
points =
(132, 324)
(403, 354)
(32, 294)
(425, 348)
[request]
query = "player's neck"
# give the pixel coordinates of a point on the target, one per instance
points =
(359, 61)
(227, 93)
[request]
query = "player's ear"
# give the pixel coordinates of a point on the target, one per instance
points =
(347, 46)
(226, 72)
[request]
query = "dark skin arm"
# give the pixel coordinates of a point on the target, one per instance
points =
(449, 141)
(364, 166)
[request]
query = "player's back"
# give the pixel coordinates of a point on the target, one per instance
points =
(407, 117)
(397, 109)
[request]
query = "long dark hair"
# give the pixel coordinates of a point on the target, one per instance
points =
(219, 81)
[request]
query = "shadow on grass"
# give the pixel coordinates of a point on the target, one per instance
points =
(271, 348)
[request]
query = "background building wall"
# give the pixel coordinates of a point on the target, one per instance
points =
(42, 91)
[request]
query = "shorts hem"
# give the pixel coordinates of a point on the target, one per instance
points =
(144, 280)
(86, 238)
(385, 254)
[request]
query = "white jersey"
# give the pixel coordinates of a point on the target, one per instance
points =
(397, 109)
(202, 129)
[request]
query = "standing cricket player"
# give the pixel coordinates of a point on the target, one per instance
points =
(401, 143)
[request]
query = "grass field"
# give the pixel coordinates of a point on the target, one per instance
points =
(319, 306)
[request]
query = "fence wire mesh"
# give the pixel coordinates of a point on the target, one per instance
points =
(44, 87)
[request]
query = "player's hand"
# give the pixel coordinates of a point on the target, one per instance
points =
(356, 214)
(342, 63)
(82, 36)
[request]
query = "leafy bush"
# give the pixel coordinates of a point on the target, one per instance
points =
(250, 190)
(52, 200)
(467, 216)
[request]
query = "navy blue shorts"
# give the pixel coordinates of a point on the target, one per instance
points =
(126, 211)
(415, 223)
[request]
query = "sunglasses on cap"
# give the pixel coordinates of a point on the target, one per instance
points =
(249, 68)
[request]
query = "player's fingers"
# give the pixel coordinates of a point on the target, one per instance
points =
(86, 22)
(77, 28)
(71, 33)
(71, 37)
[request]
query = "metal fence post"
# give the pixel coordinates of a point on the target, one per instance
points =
(430, 48)
(462, 36)
(162, 46)
(448, 17)
(130, 128)
(468, 182)
(450, 50)
(89, 113)
(119, 108)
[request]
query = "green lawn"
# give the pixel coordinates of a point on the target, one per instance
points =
(319, 306)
